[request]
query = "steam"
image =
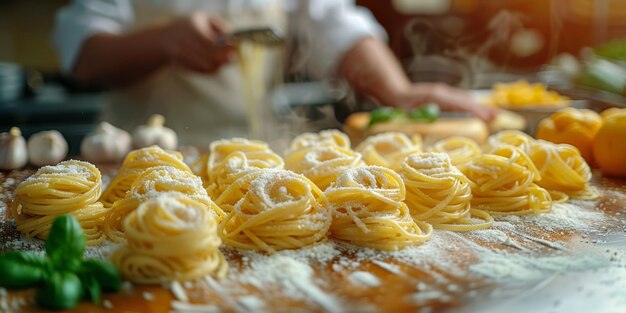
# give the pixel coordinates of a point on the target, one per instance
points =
(469, 53)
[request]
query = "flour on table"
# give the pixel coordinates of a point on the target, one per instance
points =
(366, 279)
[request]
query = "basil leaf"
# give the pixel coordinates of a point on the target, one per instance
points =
(416, 114)
(384, 114)
(21, 269)
(92, 288)
(431, 112)
(107, 276)
(60, 290)
(66, 243)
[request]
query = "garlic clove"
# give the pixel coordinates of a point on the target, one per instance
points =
(13, 151)
(106, 144)
(47, 148)
(154, 133)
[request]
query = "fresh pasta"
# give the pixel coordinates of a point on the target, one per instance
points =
(564, 173)
(200, 167)
(134, 164)
(253, 149)
(563, 170)
(280, 210)
(329, 137)
(169, 238)
(232, 158)
(235, 176)
(513, 138)
(504, 183)
(387, 149)
(322, 164)
(438, 193)
(70, 187)
(460, 149)
(368, 210)
(150, 184)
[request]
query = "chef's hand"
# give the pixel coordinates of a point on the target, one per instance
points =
(196, 43)
(371, 68)
(448, 98)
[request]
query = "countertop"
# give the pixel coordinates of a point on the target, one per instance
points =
(570, 260)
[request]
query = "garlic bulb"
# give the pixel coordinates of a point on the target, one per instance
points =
(13, 154)
(46, 148)
(107, 144)
(154, 133)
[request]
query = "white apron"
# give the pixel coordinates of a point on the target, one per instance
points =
(199, 107)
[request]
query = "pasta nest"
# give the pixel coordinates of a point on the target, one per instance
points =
(280, 210)
(438, 193)
(134, 164)
(329, 137)
(322, 164)
(387, 149)
(151, 184)
(70, 187)
(170, 237)
(563, 170)
(513, 138)
(232, 158)
(460, 149)
(504, 183)
(368, 210)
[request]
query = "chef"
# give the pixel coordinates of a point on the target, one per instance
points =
(174, 57)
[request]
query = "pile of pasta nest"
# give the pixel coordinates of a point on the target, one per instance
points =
(388, 193)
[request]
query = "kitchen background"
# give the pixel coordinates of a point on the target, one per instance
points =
(469, 43)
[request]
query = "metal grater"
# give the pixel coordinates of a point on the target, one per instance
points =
(269, 36)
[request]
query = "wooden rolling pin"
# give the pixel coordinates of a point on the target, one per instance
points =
(356, 126)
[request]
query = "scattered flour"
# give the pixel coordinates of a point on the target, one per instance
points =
(293, 276)
(179, 291)
(361, 278)
(320, 253)
(148, 296)
(423, 297)
(184, 307)
(292, 271)
(506, 267)
(564, 216)
(490, 235)
(251, 303)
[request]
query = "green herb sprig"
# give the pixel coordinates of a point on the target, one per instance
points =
(428, 113)
(61, 278)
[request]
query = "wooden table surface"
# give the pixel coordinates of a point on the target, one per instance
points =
(441, 275)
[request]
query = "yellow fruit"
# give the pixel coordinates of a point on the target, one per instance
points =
(572, 126)
(609, 147)
(612, 111)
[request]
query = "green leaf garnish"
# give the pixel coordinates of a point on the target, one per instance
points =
(385, 114)
(66, 243)
(60, 290)
(428, 113)
(62, 278)
(21, 270)
(92, 288)
(104, 273)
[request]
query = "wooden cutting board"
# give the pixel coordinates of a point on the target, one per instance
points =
(357, 127)
(431, 286)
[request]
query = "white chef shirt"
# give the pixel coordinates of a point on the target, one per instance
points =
(325, 29)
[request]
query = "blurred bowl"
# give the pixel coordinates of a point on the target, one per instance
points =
(535, 113)
(11, 81)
